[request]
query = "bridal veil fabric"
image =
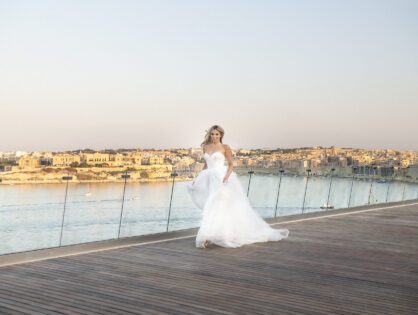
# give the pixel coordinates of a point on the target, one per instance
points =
(228, 218)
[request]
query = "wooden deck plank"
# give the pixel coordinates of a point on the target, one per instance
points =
(365, 262)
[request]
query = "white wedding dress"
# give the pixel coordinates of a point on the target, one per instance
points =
(228, 218)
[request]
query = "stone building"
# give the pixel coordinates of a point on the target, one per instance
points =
(156, 160)
(121, 160)
(136, 159)
(61, 160)
(6, 168)
(28, 162)
(96, 158)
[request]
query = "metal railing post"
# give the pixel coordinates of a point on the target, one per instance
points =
(306, 186)
(403, 192)
(405, 174)
(125, 177)
(351, 189)
(66, 178)
(249, 181)
(278, 192)
(330, 184)
(387, 193)
(371, 185)
(370, 192)
(174, 174)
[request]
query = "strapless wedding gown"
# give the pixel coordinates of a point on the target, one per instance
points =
(228, 218)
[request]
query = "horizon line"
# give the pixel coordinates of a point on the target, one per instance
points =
(187, 148)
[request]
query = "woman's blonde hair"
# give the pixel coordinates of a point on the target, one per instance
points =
(207, 137)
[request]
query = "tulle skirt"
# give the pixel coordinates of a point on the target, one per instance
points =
(228, 218)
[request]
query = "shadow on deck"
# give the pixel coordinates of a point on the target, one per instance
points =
(362, 260)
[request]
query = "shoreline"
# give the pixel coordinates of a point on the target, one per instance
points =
(162, 174)
(60, 181)
(262, 172)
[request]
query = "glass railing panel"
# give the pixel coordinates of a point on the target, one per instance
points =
(30, 216)
(184, 213)
(244, 179)
(388, 186)
(411, 191)
(395, 191)
(378, 194)
(316, 193)
(146, 208)
(263, 194)
(360, 192)
(92, 212)
(291, 195)
(340, 192)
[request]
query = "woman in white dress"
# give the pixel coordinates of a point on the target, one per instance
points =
(228, 218)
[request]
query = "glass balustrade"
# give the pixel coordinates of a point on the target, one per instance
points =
(52, 215)
(395, 191)
(264, 200)
(292, 191)
(360, 193)
(245, 181)
(145, 209)
(411, 192)
(378, 194)
(316, 193)
(30, 217)
(340, 192)
(184, 214)
(92, 212)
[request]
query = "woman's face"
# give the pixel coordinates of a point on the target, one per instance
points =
(215, 136)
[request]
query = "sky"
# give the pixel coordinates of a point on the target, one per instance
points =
(157, 74)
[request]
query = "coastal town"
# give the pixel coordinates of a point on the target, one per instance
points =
(150, 165)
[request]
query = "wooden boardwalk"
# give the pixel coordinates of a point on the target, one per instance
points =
(358, 263)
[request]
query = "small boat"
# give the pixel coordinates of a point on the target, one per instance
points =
(381, 181)
(134, 198)
(88, 193)
(325, 206)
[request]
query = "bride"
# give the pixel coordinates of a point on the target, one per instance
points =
(228, 218)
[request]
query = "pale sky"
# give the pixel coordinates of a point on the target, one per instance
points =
(157, 74)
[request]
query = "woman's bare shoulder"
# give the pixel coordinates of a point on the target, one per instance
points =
(226, 147)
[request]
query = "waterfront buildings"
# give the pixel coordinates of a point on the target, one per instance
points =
(28, 163)
(64, 160)
(384, 163)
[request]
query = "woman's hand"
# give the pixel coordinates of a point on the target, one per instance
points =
(225, 179)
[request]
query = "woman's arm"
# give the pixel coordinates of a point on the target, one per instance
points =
(228, 155)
